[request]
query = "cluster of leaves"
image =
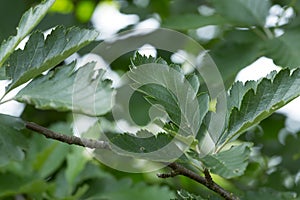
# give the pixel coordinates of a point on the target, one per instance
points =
(56, 170)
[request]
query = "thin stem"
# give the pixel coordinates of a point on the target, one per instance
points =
(207, 181)
(269, 33)
(259, 33)
(93, 144)
(208, 177)
(7, 100)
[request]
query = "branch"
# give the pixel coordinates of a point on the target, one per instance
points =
(207, 181)
(90, 143)
(94, 144)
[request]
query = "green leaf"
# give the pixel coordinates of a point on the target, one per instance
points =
(244, 12)
(51, 157)
(270, 194)
(154, 147)
(167, 86)
(20, 185)
(124, 189)
(229, 163)
(28, 21)
(237, 92)
(269, 96)
(3, 74)
(194, 81)
(284, 50)
(76, 162)
(66, 90)
(40, 55)
(192, 21)
(12, 142)
(185, 195)
(238, 49)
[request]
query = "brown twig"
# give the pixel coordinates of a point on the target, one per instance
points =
(207, 181)
(208, 177)
(168, 175)
(93, 144)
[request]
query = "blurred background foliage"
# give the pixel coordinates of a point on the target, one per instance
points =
(236, 39)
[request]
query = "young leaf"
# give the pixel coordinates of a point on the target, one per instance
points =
(40, 55)
(244, 12)
(230, 163)
(28, 21)
(66, 90)
(12, 142)
(270, 95)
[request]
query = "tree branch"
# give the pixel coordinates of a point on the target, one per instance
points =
(93, 144)
(207, 181)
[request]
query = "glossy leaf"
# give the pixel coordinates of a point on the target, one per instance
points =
(67, 90)
(12, 142)
(40, 55)
(229, 163)
(28, 21)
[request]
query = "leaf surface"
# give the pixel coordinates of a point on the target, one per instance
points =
(192, 21)
(12, 142)
(270, 95)
(167, 86)
(229, 163)
(40, 55)
(244, 12)
(28, 21)
(146, 146)
(284, 50)
(84, 91)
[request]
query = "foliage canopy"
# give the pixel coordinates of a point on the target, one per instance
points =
(253, 156)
